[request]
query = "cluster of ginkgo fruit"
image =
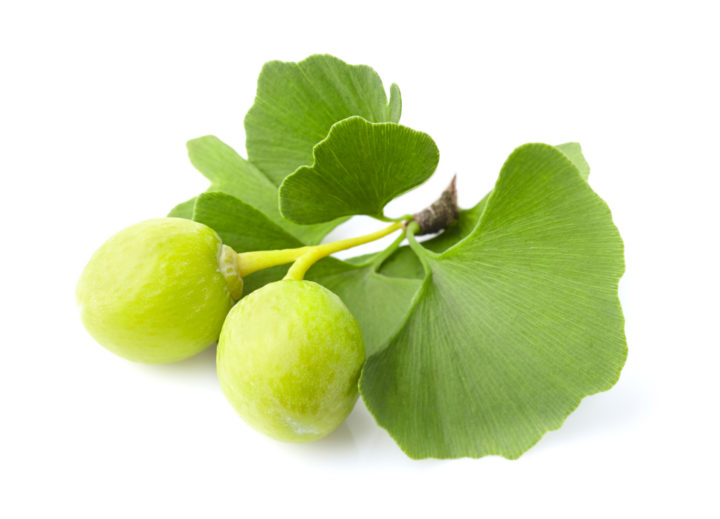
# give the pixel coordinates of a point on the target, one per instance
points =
(289, 354)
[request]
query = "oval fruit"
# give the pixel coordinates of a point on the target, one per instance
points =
(289, 358)
(156, 292)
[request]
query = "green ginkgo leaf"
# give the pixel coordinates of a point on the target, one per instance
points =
(358, 169)
(240, 225)
(229, 173)
(513, 325)
(297, 103)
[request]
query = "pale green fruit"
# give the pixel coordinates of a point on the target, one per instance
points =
(158, 291)
(289, 358)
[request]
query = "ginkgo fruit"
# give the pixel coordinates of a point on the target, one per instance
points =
(159, 291)
(289, 358)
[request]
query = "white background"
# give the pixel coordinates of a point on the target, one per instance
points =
(97, 100)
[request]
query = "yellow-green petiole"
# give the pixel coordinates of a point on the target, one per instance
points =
(313, 254)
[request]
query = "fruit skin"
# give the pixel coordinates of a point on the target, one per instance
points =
(289, 358)
(154, 292)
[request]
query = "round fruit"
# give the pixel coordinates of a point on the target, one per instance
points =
(289, 358)
(158, 291)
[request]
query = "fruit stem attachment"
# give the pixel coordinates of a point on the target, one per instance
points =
(313, 254)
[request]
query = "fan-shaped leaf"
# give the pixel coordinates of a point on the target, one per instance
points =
(513, 325)
(358, 169)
